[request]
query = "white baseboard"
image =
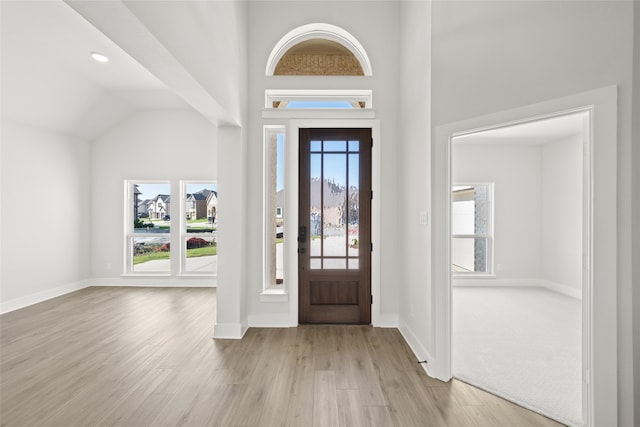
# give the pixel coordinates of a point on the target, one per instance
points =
(417, 348)
(31, 299)
(517, 283)
(271, 321)
(562, 289)
(156, 282)
(494, 282)
(386, 321)
(229, 330)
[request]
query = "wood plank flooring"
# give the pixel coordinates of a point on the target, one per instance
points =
(146, 357)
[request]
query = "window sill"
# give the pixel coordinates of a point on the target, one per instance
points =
(274, 295)
(146, 275)
(318, 113)
(473, 276)
(211, 275)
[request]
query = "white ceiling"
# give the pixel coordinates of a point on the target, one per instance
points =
(50, 81)
(534, 132)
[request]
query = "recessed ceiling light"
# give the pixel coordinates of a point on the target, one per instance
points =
(99, 57)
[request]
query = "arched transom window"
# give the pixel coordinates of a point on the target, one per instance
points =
(318, 50)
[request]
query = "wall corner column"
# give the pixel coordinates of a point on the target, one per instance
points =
(231, 317)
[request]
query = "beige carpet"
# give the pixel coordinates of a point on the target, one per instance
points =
(523, 344)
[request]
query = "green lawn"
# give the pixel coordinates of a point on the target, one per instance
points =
(151, 256)
(196, 221)
(191, 253)
(206, 251)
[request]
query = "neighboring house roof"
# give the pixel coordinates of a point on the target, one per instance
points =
(199, 196)
(205, 192)
(212, 197)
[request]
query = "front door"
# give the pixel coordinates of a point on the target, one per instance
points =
(334, 227)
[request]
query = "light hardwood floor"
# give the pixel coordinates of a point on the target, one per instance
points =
(146, 357)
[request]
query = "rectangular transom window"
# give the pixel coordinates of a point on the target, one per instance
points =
(318, 99)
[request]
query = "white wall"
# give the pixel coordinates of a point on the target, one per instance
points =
(46, 215)
(414, 195)
(492, 56)
(538, 210)
(268, 23)
(170, 145)
(515, 171)
(562, 217)
(635, 179)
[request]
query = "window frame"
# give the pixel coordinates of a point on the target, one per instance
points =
(183, 235)
(129, 231)
(360, 99)
(271, 292)
(489, 235)
(177, 235)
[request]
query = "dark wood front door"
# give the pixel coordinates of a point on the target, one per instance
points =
(334, 227)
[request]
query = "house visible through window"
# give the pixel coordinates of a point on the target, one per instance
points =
(152, 219)
(149, 227)
(199, 228)
(471, 229)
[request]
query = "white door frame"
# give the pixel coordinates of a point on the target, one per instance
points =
(600, 289)
(291, 206)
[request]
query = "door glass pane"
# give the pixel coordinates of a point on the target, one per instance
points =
(334, 204)
(315, 211)
(335, 146)
(335, 264)
(353, 211)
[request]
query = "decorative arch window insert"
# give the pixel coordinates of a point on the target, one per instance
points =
(472, 229)
(318, 49)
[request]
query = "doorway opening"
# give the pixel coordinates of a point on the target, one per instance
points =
(520, 256)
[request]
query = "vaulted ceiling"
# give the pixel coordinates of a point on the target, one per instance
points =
(50, 81)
